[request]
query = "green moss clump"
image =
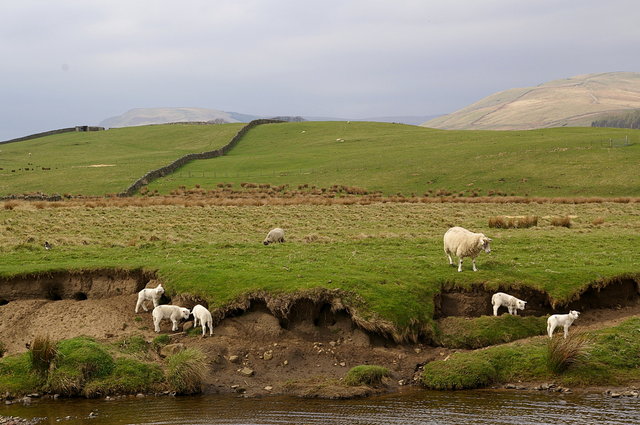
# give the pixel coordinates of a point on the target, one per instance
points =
(17, 376)
(366, 375)
(129, 376)
(462, 374)
(460, 332)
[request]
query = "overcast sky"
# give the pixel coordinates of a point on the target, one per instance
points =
(72, 62)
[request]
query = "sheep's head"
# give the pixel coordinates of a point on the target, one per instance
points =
(484, 244)
(521, 304)
(266, 242)
(159, 289)
(185, 313)
(574, 314)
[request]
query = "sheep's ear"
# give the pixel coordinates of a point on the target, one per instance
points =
(524, 302)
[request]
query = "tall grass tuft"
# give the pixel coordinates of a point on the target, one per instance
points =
(563, 353)
(502, 222)
(43, 351)
(366, 375)
(561, 221)
(186, 371)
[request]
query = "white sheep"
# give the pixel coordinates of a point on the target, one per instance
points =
(564, 320)
(274, 235)
(202, 315)
(500, 299)
(171, 312)
(149, 294)
(463, 243)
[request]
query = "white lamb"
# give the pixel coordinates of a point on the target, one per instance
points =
(462, 243)
(171, 312)
(149, 294)
(564, 320)
(500, 299)
(202, 315)
(274, 235)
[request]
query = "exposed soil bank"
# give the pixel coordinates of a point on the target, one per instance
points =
(476, 301)
(293, 344)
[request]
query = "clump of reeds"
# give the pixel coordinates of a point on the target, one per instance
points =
(42, 353)
(502, 222)
(561, 221)
(563, 353)
(186, 371)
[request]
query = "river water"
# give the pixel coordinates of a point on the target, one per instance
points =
(413, 407)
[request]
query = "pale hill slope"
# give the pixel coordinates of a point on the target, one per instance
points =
(574, 101)
(147, 116)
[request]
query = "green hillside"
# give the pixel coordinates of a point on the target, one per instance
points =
(390, 158)
(97, 163)
(399, 158)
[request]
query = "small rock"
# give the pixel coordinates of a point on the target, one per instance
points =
(171, 349)
(245, 371)
(186, 326)
(286, 362)
(510, 387)
(343, 364)
(93, 414)
(234, 359)
(268, 355)
(268, 388)
(332, 343)
(140, 395)
(402, 382)
(417, 350)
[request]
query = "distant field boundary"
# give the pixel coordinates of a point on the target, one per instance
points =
(168, 169)
(52, 132)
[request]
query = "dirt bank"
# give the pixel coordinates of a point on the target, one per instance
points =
(260, 346)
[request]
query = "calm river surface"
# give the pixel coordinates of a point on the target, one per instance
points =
(414, 407)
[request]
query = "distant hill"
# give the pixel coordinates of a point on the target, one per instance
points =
(146, 116)
(575, 101)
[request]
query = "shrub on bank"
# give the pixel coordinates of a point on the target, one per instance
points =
(366, 375)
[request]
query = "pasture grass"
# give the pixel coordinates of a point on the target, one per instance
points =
(101, 162)
(387, 259)
(393, 158)
(389, 158)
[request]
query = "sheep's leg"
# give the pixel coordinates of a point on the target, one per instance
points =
(195, 322)
(459, 264)
(144, 305)
(210, 324)
(138, 305)
(449, 257)
(156, 324)
(550, 329)
(156, 301)
(495, 310)
(175, 325)
(473, 262)
(566, 331)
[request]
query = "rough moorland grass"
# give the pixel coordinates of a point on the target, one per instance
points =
(460, 332)
(17, 375)
(563, 353)
(370, 375)
(186, 371)
(387, 259)
(611, 358)
(97, 163)
(399, 158)
(43, 351)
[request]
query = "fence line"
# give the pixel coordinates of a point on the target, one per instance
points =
(168, 169)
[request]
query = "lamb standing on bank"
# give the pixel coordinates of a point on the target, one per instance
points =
(149, 294)
(202, 315)
(564, 320)
(462, 243)
(274, 235)
(513, 304)
(171, 312)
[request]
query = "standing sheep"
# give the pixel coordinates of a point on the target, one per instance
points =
(202, 315)
(564, 320)
(274, 235)
(171, 312)
(149, 294)
(513, 304)
(462, 243)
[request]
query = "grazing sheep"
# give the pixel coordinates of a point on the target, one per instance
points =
(202, 315)
(564, 320)
(149, 294)
(463, 243)
(500, 299)
(274, 235)
(171, 312)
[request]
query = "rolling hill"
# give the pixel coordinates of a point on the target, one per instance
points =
(389, 158)
(575, 101)
(146, 116)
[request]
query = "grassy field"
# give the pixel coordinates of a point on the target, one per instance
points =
(390, 158)
(386, 257)
(394, 158)
(97, 163)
